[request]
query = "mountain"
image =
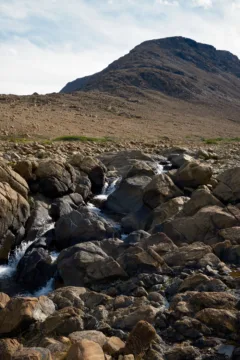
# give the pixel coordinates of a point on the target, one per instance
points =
(177, 67)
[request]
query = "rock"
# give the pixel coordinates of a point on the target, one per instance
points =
(135, 237)
(220, 320)
(203, 226)
(140, 339)
(167, 210)
(191, 302)
(136, 260)
(178, 160)
(136, 220)
(85, 263)
(182, 353)
(26, 169)
(140, 168)
(190, 253)
(32, 354)
(38, 220)
(83, 185)
(35, 269)
(199, 199)
(68, 296)
(63, 322)
(14, 212)
(80, 226)
(160, 190)
(128, 196)
(228, 187)
(53, 178)
(19, 313)
(191, 328)
(91, 335)
(4, 299)
(65, 205)
(232, 234)
(160, 242)
(8, 347)
(113, 345)
(201, 282)
(92, 167)
(128, 318)
(85, 350)
(192, 175)
(14, 180)
(58, 347)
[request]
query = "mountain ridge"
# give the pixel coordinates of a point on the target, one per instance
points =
(175, 66)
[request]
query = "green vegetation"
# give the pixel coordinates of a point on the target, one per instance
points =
(220, 140)
(83, 138)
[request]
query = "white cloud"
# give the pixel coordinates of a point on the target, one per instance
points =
(45, 44)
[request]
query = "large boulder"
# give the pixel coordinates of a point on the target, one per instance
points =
(20, 312)
(14, 211)
(68, 296)
(228, 188)
(85, 350)
(87, 263)
(192, 175)
(8, 347)
(53, 178)
(65, 205)
(137, 220)
(13, 179)
(187, 254)
(167, 210)
(203, 226)
(221, 320)
(82, 225)
(35, 269)
(160, 190)
(199, 199)
(128, 196)
(39, 220)
(92, 167)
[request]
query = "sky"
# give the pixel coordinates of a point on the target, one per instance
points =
(46, 43)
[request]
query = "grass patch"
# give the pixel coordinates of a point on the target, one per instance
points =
(83, 138)
(218, 140)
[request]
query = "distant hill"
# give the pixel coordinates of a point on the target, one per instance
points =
(176, 66)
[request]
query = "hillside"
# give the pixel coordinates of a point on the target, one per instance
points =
(177, 67)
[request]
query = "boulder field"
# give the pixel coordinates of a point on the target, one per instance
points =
(120, 255)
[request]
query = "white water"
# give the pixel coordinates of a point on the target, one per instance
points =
(54, 255)
(108, 189)
(159, 168)
(8, 270)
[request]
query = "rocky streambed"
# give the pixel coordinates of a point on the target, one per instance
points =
(122, 255)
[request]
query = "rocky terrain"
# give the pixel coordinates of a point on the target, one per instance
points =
(175, 88)
(119, 251)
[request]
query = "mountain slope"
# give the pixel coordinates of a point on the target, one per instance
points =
(177, 67)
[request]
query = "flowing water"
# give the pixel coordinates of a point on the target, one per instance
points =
(7, 272)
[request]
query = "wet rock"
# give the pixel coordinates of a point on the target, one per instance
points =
(192, 175)
(14, 180)
(38, 219)
(35, 269)
(92, 167)
(65, 205)
(86, 263)
(80, 226)
(83, 185)
(160, 190)
(53, 178)
(136, 220)
(19, 313)
(128, 196)
(136, 236)
(228, 187)
(85, 350)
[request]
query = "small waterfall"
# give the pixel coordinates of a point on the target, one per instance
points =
(159, 168)
(108, 189)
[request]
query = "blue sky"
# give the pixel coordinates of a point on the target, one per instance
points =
(44, 44)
